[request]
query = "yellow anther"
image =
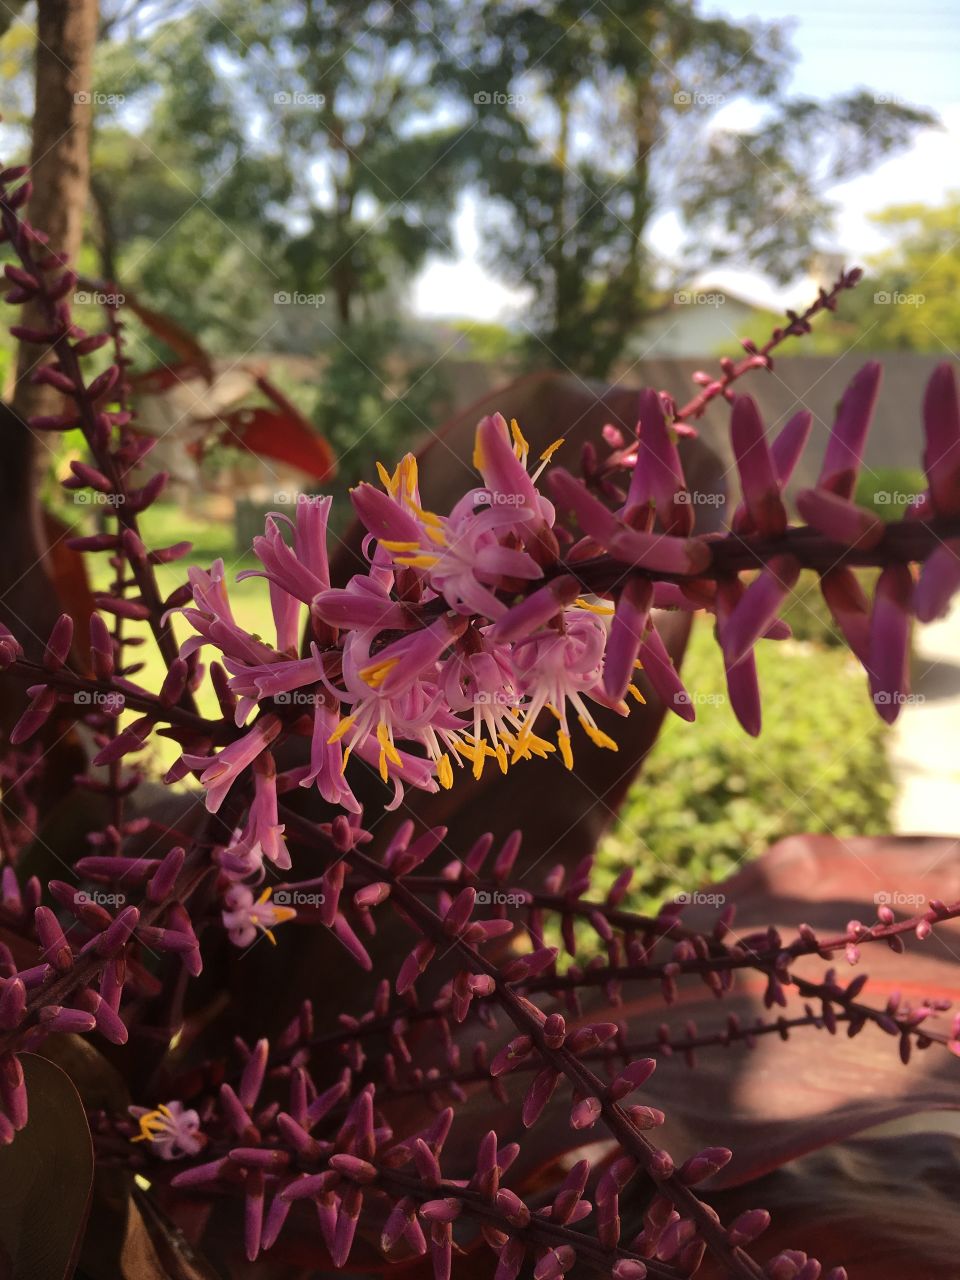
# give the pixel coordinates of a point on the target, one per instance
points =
(603, 609)
(566, 752)
(520, 446)
(418, 562)
(395, 545)
(551, 449)
(342, 728)
(387, 749)
(597, 736)
(376, 672)
(445, 772)
(632, 688)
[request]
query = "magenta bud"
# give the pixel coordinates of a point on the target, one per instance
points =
(748, 1227)
(116, 936)
(58, 645)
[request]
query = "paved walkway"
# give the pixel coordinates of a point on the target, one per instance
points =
(926, 747)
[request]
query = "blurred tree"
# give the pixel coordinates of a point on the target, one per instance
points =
(588, 122)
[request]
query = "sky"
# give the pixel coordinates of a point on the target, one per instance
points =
(911, 51)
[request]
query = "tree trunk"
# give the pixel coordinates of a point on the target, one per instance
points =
(60, 162)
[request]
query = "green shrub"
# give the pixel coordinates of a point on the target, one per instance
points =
(889, 491)
(710, 798)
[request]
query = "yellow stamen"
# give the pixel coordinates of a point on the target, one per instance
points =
(387, 748)
(392, 545)
(428, 517)
(603, 609)
(376, 672)
(551, 449)
(520, 446)
(597, 736)
(445, 772)
(566, 753)
(385, 478)
(153, 1124)
(632, 688)
(418, 562)
(344, 725)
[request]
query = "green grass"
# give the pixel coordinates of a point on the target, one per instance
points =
(710, 795)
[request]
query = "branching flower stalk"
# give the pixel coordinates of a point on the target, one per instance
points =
(507, 629)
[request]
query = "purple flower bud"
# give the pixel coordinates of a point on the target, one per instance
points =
(704, 1165)
(55, 947)
(13, 1091)
(626, 634)
(161, 883)
(585, 1113)
(748, 1227)
(115, 938)
(34, 718)
(941, 455)
(632, 1077)
(841, 461)
(536, 610)
(888, 655)
(848, 606)
(840, 519)
(939, 581)
(758, 473)
(538, 1095)
(55, 1018)
(758, 606)
(58, 645)
(662, 674)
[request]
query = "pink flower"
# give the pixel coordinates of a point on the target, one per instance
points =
(219, 772)
(242, 917)
(171, 1129)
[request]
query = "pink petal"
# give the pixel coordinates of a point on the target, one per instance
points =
(841, 461)
(758, 475)
(941, 455)
(758, 607)
(839, 519)
(887, 660)
(939, 580)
